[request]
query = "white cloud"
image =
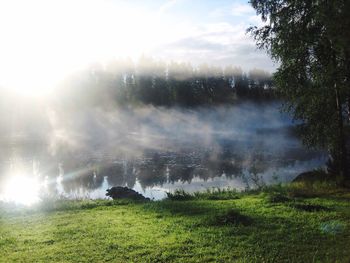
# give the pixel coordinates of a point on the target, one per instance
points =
(237, 9)
(168, 5)
(218, 13)
(242, 10)
(219, 44)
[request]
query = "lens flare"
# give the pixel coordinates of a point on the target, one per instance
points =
(21, 189)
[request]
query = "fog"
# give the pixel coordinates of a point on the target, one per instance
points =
(132, 130)
(81, 152)
(212, 127)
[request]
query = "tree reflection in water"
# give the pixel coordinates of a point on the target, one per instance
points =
(169, 152)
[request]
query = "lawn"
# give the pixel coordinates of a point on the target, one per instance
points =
(221, 227)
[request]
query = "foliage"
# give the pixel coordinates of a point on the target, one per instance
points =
(179, 195)
(308, 40)
(218, 194)
(209, 194)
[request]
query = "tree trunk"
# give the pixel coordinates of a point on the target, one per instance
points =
(341, 139)
(348, 111)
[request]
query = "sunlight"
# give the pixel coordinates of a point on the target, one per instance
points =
(21, 189)
(45, 48)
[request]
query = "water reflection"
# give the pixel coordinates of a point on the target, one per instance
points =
(84, 175)
(154, 151)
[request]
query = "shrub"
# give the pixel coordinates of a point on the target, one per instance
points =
(179, 195)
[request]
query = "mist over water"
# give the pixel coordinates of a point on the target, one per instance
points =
(80, 153)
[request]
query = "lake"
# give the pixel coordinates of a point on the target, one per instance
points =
(81, 153)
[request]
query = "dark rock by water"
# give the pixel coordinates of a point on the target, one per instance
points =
(313, 176)
(119, 192)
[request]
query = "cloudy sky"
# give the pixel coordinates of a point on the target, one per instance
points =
(43, 40)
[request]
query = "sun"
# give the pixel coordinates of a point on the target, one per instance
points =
(21, 189)
(43, 42)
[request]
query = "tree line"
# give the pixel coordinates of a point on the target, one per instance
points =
(151, 82)
(310, 41)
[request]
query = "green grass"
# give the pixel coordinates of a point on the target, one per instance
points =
(277, 224)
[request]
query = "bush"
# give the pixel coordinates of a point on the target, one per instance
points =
(179, 195)
(218, 194)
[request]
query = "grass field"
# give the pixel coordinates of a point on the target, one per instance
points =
(219, 226)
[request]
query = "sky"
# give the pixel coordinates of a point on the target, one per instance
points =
(44, 40)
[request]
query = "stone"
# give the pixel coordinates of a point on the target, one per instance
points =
(119, 192)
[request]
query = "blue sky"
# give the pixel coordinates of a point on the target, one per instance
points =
(44, 40)
(217, 35)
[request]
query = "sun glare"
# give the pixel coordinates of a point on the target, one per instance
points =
(21, 189)
(44, 41)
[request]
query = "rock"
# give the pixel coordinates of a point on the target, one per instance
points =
(312, 177)
(119, 192)
(305, 177)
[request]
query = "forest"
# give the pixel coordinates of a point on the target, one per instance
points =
(151, 82)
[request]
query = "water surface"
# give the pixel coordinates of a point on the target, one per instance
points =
(154, 150)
